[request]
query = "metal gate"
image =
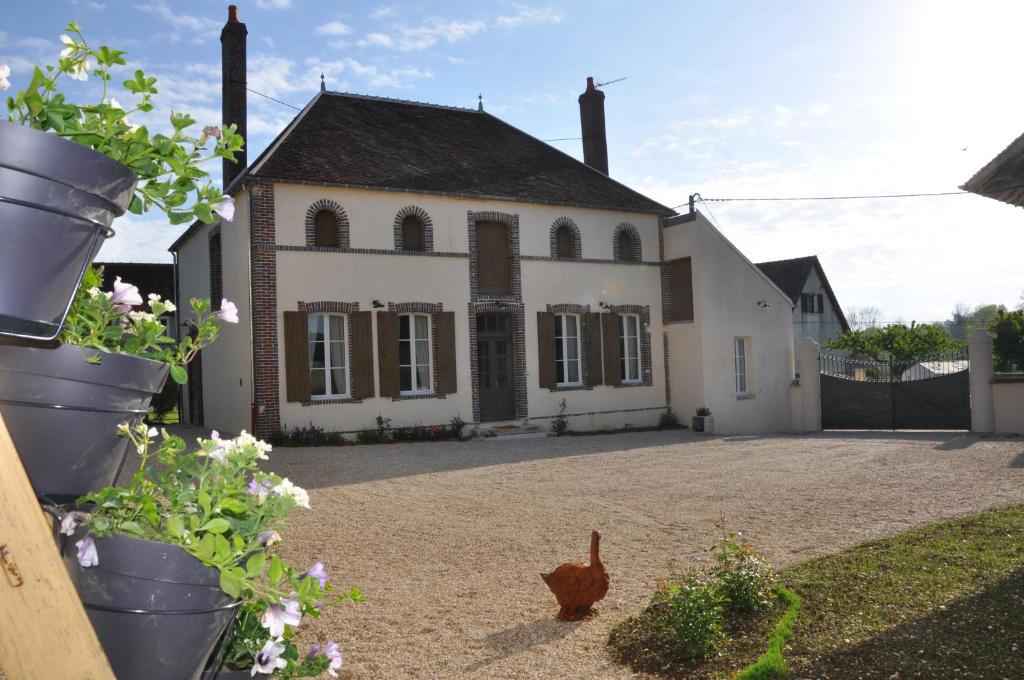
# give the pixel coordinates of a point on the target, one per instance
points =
(864, 394)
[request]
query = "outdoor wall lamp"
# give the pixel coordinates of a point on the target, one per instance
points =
(377, 304)
(763, 304)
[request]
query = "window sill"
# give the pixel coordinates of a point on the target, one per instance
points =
(569, 388)
(743, 396)
(411, 396)
(325, 401)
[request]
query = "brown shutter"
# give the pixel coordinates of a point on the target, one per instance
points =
(362, 354)
(821, 304)
(444, 362)
(546, 349)
(492, 258)
(803, 302)
(296, 357)
(387, 353)
(612, 367)
(682, 289)
(592, 337)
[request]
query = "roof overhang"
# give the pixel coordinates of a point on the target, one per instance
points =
(1002, 178)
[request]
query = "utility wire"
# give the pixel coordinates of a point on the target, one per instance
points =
(834, 198)
(273, 99)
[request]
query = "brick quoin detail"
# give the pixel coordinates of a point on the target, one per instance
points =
(340, 218)
(577, 247)
(634, 235)
(424, 218)
(263, 264)
(581, 310)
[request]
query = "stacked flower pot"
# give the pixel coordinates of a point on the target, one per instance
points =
(158, 612)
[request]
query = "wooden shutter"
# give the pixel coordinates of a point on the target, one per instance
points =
(412, 233)
(362, 355)
(820, 309)
(492, 258)
(444, 362)
(325, 226)
(387, 353)
(681, 274)
(563, 242)
(296, 357)
(546, 349)
(592, 337)
(803, 303)
(612, 367)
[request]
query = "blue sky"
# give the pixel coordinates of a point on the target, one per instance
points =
(728, 99)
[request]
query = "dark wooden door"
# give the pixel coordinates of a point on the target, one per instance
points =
(494, 359)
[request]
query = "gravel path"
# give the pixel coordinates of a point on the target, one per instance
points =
(447, 540)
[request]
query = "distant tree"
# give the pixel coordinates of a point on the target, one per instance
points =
(899, 343)
(1008, 344)
(861, 318)
(965, 320)
(1020, 305)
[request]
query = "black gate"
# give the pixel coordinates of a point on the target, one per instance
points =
(864, 394)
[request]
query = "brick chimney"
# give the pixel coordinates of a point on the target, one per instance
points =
(595, 144)
(233, 81)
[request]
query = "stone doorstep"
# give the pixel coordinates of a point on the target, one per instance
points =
(509, 431)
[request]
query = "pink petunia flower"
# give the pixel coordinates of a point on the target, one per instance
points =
(71, 522)
(228, 311)
(87, 555)
(225, 207)
(212, 131)
(125, 296)
(278, 616)
(268, 660)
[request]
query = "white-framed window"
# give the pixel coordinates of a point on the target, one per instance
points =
(328, 356)
(414, 367)
(567, 350)
(742, 371)
(629, 347)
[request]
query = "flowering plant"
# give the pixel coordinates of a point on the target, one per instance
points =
(108, 322)
(218, 506)
(168, 166)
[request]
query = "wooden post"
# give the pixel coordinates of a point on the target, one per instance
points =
(44, 630)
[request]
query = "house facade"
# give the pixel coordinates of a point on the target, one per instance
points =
(418, 263)
(816, 311)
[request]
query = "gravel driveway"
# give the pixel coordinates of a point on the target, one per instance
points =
(447, 540)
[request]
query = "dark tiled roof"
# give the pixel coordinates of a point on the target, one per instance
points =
(388, 143)
(1002, 178)
(150, 277)
(791, 275)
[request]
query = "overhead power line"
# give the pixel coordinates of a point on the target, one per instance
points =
(833, 198)
(273, 99)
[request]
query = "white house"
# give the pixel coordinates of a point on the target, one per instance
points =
(421, 262)
(816, 311)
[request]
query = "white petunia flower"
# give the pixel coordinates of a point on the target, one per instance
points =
(70, 46)
(5, 72)
(296, 493)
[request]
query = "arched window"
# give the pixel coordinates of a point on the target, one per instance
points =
(565, 239)
(626, 247)
(412, 233)
(563, 242)
(325, 226)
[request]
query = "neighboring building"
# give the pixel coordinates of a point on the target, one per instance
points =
(1002, 178)
(816, 311)
(149, 277)
(421, 262)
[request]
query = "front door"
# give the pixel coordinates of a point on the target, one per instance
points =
(494, 359)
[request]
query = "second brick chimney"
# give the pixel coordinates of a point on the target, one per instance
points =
(233, 82)
(595, 144)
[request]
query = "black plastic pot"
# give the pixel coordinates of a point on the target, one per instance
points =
(158, 612)
(57, 201)
(63, 413)
(233, 675)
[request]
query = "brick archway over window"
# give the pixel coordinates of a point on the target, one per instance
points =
(340, 218)
(567, 229)
(626, 243)
(426, 224)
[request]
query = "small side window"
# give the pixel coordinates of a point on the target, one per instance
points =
(326, 229)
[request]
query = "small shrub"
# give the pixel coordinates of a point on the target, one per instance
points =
(745, 579)
(683, 623)
(455, 427)
(703, 411)
(668, 419)
(309, 435)
(560, 425)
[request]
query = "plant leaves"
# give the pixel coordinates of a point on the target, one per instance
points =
(217, 525)
(178, 374)
(230, 583)
(254, 567)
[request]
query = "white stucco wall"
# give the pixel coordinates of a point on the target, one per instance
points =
(727, 289)
(227, 363)
(819, 327)
(350, 277)
(1008, 404)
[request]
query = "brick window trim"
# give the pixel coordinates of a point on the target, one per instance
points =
(428, 228)
(634, 235)
(511, 221)
(589, 381)
(340, 217)
(335, 307)
(646, 369)
(517, 312)
(574, 230)
(423, 308)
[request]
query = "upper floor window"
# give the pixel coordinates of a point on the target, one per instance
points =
(627, 243)
(412, 233)
(563, 242)
(414, 367)
(629, 347)
(811, 303)
(328, 369)
(567, 350)
(325, 226)
(492, 255)
(742, 348)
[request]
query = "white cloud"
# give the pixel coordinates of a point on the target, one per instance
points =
(179, 25)
(457, 60)
(435, 30)
(373, 76)
(383, 12)
(528, 15)
(376, 40)
(89, 4)
(273, 4)
(333, 28)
